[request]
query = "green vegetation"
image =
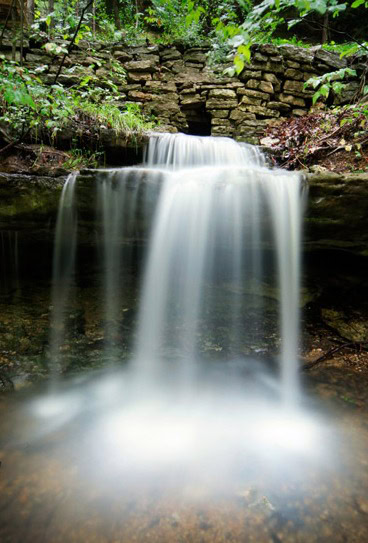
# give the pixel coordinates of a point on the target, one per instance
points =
(30, 107)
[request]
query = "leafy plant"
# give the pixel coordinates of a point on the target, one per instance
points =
(327, 82)
(176, 20)
(26, 104)
(79, 159)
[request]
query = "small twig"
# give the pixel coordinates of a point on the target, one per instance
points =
(320, 26)
(15, 142)
(339, 148)
(333, 133)
(72, 40)
(334, 350)
(6, 22)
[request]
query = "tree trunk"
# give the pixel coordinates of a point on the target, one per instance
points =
(14, 31)
(94, 19)
(51, 9)
(21, 7)
(325, 28)
(116, 14)
(30, 12)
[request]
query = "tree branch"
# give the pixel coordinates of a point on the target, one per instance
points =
(334, 350)
(72, 40)
(6, 22)
(12, 144)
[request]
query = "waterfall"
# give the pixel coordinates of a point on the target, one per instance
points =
(215, 198)
(212, 209)
(63, 268)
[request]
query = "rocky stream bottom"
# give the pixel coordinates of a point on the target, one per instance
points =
(67, 475)
(64, 477)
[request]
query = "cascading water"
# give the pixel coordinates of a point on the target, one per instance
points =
(181, 443)
(215, 197)
(179, 423)
(63, 268)
(214, 206)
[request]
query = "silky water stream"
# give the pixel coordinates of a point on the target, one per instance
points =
(195, 437)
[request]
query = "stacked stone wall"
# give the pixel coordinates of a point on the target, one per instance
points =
(185, 93)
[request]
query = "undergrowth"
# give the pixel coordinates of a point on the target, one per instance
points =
(30, 109)
(301, 142)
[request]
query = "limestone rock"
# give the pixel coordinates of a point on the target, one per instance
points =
(224, 94)
(293, 100)
(159, 87)
(268, 49)
(337, 213)
(195, 56)
(250, 74)
(292, 64)
(250, 100)
(222, 131)
(215, 103)
(299, 112)
(221, 122)
(191, 101)
(262, 111)
(258, 57)
(273, 79)
(171, 54)
(280, 106)
(122, 56)
(254, 94)
(349, 326)
(140, 66)
(296, 54)
(139, 77)
(291, 73)
(291, 86)
(238, 115)
(220, 113)
(139, 96)
(329, 58)
(164, 104)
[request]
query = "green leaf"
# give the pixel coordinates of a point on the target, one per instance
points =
(351, 51)
(230, 71)
(315, 97)
(325, 90)
(357, 3)
(28, 101)
(337, 86)
(245, 51)
(85, 81)
(239, 64)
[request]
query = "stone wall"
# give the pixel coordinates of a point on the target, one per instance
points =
(185, 93)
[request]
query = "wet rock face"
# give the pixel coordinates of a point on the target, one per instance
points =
(336, 232)
(337, 214)
(29, 204)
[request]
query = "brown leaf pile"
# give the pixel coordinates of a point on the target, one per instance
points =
(300, 142)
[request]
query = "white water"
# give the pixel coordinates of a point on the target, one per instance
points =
(212, 207)
(217, 199)
(180, 422)
(63, 269)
